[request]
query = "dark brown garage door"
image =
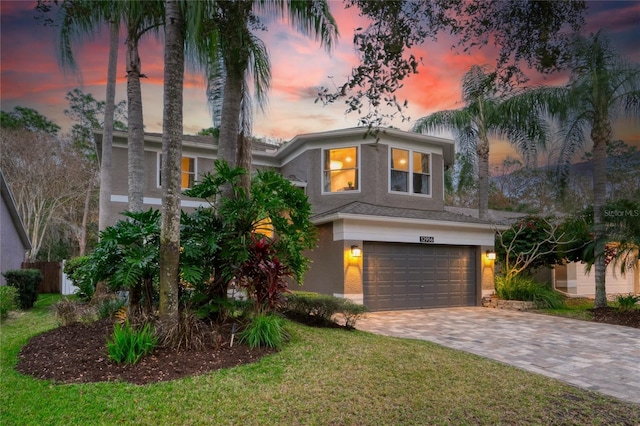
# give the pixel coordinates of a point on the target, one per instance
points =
(416, 276)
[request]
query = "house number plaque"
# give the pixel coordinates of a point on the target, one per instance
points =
(427, 239)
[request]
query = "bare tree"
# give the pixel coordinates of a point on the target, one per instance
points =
(45, 174)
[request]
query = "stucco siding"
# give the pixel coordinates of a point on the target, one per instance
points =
(326, 273)
(12, 250)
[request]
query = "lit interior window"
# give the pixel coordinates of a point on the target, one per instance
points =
(340, 169)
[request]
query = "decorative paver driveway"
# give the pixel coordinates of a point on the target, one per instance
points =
(599, 357)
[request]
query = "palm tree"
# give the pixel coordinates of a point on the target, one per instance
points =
(139, 18)
(601, 88)
(171, 156)
(80, 18)
(490, 111)
(233, 54)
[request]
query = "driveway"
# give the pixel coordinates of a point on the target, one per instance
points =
(599, 357)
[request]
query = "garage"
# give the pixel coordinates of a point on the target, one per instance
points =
(416, 276)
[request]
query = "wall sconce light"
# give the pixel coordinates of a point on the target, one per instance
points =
(356, 251)
(491, 255)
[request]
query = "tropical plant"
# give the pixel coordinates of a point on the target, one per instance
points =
(128, 345)
(627, 302)
(602, 87)
(525, 288)
(491, 110)
(274, 209)
(233, 54)
(128, 257)
(265, 330)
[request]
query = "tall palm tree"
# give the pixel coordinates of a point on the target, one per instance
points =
(171, 156)
(80, 18)
(602, 87)
(139, 18)
(234, 54)
(83, 18)
(490, 111)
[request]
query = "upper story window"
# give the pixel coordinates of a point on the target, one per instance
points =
(340, 170)
(188, 172)
(410, 172)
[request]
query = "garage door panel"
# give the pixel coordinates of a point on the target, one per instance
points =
(414, 276)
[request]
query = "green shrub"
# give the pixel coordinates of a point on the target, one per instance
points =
(319, 309)
(129, 345)
(627, 302)
(526, 289)
(26, 281)
(79, 270)
(70, 311)
(8, 300)
(265, 330)
(109, 307)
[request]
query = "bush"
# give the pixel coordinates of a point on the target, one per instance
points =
(319, 309)
(129, 345)
(627, 302)
(8, 300)
(26, 281)
(526, 289)
(265, 330)
(109, 307)
(79, 271)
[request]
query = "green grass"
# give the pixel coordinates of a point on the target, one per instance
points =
(576, 308)
(322, 376)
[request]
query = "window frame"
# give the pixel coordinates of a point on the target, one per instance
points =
(159, 170)
(324, 152)
(410, 172)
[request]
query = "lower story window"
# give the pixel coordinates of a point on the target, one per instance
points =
(187, 172)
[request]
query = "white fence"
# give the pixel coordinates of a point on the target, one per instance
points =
(66, 286)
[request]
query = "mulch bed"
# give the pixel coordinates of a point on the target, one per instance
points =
(77, 353)
(609, 315)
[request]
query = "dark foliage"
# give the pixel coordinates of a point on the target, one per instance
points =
(27, 282)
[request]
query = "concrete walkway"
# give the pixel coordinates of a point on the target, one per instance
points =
(599, 357)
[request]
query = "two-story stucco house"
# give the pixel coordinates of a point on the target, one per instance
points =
(385, 236)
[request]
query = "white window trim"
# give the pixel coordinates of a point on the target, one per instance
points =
(410, 171)
(159, 169)
(359, 169)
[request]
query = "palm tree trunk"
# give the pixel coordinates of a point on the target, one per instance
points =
(171, 158)
(82, 241)
(600, 134)
(483, 176)
(229, 123)
(136, 124)
(107, 141)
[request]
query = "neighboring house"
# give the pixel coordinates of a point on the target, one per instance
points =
(385, 236)
(574, 280)
(14, 241)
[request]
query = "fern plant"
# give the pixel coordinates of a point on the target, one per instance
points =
(129, 345)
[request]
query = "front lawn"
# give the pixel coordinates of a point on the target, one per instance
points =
(323, 376)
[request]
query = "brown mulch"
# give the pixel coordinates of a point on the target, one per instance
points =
(77, 353)
(609, 315)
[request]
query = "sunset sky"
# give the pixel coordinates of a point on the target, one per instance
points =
(31, 76)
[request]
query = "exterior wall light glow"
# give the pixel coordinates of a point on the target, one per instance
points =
(356, 251)
(491, 255)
